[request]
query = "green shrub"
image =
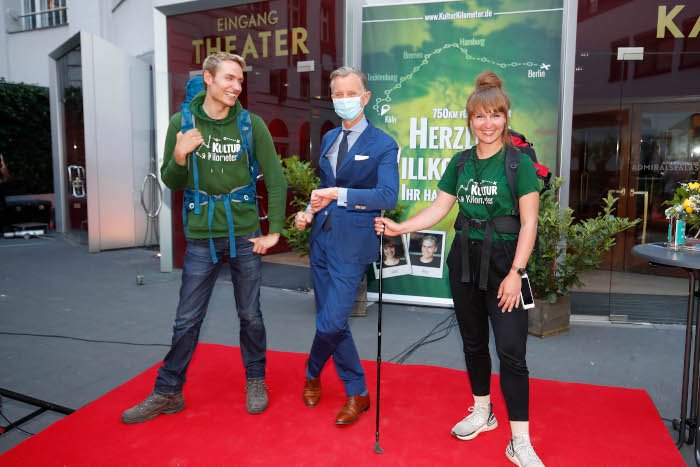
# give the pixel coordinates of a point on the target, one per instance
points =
(302, 180)
(25, 137)
(566, 248)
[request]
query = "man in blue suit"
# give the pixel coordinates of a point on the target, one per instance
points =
(359, 179)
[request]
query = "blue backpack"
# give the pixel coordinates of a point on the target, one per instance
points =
(194, 198)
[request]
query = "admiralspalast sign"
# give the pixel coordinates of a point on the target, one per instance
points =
(665, 22)
(241, 35)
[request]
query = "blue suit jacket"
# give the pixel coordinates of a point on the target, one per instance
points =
(370, 173)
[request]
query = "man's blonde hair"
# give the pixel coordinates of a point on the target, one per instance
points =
(212, 62)
(344, 71)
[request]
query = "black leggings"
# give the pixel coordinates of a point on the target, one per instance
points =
(473, 309)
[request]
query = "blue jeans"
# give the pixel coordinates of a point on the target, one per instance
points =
(198, 279)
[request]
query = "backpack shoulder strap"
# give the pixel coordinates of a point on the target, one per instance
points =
(193, 87)
(512, 162)
(463, 157)
(245, 127)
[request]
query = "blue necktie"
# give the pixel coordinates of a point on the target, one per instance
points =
(342, 150)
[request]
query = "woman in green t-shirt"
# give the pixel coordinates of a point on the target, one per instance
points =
(496, 247)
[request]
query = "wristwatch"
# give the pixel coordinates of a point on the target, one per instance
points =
(520, 271)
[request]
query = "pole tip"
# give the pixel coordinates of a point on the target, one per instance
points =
(378, 449)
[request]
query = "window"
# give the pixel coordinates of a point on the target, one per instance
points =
(590, 8)
(43, 13)
(690, 58)
(658, 54)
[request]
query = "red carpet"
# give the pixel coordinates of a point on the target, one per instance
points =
(572, 424)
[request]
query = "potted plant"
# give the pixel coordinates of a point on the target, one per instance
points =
(565, 249)
(302, 180)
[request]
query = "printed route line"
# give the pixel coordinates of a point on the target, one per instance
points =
(426, 59)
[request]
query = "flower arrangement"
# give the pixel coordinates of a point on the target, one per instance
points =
(686, 204)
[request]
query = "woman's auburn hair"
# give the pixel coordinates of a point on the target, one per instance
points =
(488, 96)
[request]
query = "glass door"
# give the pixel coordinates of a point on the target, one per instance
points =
(661, 105)
(600, 136)
(635, 133)
(667, 154)
(71, 88)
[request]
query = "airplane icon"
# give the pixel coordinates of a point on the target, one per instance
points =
(545, 66)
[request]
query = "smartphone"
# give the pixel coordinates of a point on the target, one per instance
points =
(526, 298)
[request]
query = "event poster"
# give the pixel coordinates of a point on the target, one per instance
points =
(421, 62)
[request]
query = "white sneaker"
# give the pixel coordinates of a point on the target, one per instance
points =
(480, 419)
(521, 453)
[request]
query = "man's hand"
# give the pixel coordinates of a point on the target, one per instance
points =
(264, 243)
(303, 219)
(185, 144)
(321, 198)
(4, 172)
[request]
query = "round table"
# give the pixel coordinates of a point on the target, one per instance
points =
(688, 259)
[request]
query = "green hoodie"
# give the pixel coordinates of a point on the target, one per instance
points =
(222, 166)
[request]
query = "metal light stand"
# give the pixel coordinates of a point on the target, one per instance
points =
(43, 406)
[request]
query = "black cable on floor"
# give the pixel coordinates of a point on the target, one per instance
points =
(81, 339)
(444, 327)
(15, 428)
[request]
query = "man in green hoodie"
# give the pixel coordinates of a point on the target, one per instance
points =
(210, 162)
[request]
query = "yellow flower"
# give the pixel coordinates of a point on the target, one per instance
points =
(694, 186)
(686, 203)
(689, 210)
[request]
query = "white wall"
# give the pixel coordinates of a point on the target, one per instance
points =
(28, 54)
(3, 45)
(85, 16)
(129, 27)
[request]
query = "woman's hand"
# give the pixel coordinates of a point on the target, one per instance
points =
(509, 292)
(389, 227)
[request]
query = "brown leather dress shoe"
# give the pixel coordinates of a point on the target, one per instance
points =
(312, 391)
(354, 406)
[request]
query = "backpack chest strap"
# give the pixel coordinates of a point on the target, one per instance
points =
(193, 199)
(501, 224)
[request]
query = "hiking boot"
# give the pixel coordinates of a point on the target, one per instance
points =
(154, 405)
(520, 452)
(256, 398)
(480, 419)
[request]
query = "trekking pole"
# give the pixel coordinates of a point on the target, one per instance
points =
(377, 448)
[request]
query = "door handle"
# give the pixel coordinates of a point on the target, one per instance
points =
(76, 178)
(634, 193)
(620, 192)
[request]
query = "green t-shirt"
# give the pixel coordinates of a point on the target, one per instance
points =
(491, 198)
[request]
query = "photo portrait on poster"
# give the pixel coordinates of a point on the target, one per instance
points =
(425, 250)
(394, 258)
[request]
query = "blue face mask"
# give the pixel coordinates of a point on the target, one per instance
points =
(348, 108)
